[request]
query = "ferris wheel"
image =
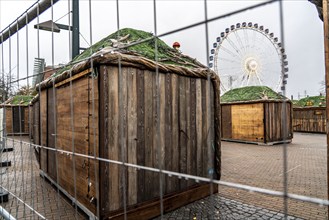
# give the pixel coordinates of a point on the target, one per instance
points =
(247, 54)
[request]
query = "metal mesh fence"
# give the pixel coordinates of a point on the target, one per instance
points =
(113, 134)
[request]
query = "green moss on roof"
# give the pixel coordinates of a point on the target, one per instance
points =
(251, 93)
(21, 100)
(166, 54)
(311, 101)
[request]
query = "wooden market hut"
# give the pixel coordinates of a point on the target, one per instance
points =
(309, 115)
(17, 115)
(114, 108)
(255, 114)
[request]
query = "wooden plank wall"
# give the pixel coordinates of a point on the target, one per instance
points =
(43, 131)
(26, 119)
(226, 126)
(174, 133)
(247, 122)
(9, 120)
(274, 121)
(36, 122)
(309, 119)
(51, 132)
(75, 133)
(31, 120)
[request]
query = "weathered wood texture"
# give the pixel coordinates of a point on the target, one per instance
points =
(278, 121)
(166, 122)
(36, 122)
(70, 123)
(43, 131)
(153, 122)
(258, 122)
(17, 120)
(247, 122)
(310, 119)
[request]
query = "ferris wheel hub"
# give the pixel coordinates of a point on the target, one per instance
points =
(251, 65)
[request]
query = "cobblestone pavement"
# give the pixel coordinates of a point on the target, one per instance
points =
(217, 207)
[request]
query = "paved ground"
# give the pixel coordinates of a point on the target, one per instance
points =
(253, 165)
(23, 180)
(262, 166)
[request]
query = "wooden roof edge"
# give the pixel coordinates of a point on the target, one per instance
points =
(308, 107)
(35, 99)
(14, 105)
(108, 57)
(256, 101)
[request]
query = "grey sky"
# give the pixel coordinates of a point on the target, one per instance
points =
(303, 31)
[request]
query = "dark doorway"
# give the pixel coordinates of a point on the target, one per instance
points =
(18, 119)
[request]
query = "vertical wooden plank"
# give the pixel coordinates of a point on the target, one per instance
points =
(211, 125)
(51, 111)
(205, 129)
(175, 121)
(37, 122)
(132, 135)
(26, 119)
(149, 82)
(140, 134)
(115, 189)
(183, 135)
(155, 147)
(192, 145)
(123, 112)
(226, 116)
(169, 148)
(199, 125)
(43, 132)
(162, 156)
(104, 139)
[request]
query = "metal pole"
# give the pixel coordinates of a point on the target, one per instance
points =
(5, 214)
(326, 53)
(75, 31)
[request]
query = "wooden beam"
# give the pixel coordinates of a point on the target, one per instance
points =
(326, 52)
(76, 76)
(171, 202)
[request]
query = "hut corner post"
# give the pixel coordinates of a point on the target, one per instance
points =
(326, 48)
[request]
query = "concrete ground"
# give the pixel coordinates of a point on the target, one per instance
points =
(253, 165)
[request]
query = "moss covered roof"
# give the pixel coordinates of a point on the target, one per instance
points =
(122, 38)
(311, 101)
(20, 100)
(250, 93)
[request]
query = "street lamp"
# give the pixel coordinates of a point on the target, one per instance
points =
(55, 27)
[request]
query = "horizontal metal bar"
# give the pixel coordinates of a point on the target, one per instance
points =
(317, 201)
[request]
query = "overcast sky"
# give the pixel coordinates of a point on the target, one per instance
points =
(303, 31)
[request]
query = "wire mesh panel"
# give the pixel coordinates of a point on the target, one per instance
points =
(127, 127)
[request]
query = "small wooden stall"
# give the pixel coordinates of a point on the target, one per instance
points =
(17, 115)
(129, 113)
(309, 115)
(256, 114)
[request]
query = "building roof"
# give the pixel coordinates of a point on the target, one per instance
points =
(22, 100)
(251, 93)
(311, 101)
(135, 48)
